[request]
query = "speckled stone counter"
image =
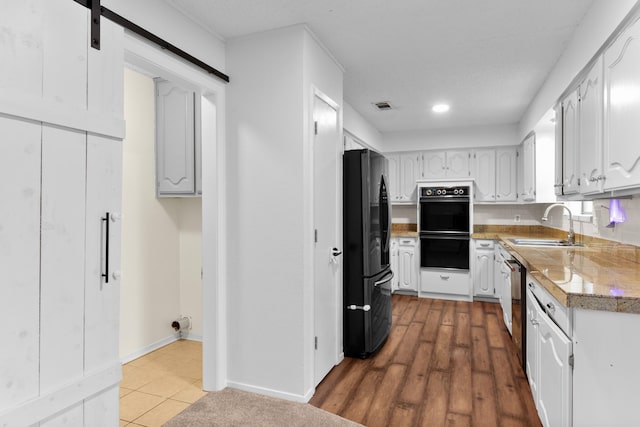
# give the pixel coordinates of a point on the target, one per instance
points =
(601, 275)
(404, 230)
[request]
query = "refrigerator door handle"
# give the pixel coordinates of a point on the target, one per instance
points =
(385, 280)
(359, 307)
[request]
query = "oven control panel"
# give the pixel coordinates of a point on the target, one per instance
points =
(426, 192)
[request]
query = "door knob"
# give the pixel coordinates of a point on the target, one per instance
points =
(335, 252)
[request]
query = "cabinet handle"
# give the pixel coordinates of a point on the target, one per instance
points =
(106, 219)
(594, 179)
(551, 308)
(406, 241)
(443, 277)
(484, 245)
(531, 285)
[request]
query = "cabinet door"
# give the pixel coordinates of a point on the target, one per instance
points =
(394, 264)
(408, 176)
(175, 139)
(394, 176)
(622, 109)
(497, 267)
(591, 179)
(483, 277)
(506, 162)
(533, 351)
(484, 162)
(505, 295)
(434, 164)
(557, 182)
(555, 374)
(407, 261)
(529, 169)
(458, 164)
(570, 133)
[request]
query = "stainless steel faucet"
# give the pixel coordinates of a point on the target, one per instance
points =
(571, 238)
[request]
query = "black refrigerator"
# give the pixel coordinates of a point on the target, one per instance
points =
(367, 271)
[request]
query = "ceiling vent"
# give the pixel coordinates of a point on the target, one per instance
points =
(383, 106)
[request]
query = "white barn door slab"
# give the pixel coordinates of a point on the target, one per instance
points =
(61, 116)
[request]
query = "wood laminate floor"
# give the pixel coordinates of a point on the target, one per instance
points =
(445, 363)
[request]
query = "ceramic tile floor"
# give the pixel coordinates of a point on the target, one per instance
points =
(158, 386)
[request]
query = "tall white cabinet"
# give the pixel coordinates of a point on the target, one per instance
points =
(60, 174)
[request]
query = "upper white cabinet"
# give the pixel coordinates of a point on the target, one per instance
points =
(622, 110)
(495, 174)
(506, 174)
(446, 164)
(528, 162)
(403, 172)
(176, 158)
(484, 172)
(590, 153)
(570, 135)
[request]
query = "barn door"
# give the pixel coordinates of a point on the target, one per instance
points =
(60, 160)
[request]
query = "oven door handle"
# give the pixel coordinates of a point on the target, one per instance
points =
(385, 280)
(432, 236)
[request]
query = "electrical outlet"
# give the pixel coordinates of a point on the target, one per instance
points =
(517, 218)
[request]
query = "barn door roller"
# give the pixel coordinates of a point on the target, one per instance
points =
(98, 10)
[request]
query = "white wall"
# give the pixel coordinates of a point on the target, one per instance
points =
(168, 23)
(161, 243)
(268, 207)
(598, 24)
(357, 126)
(439, 139)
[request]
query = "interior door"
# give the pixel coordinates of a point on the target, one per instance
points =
(327, 268)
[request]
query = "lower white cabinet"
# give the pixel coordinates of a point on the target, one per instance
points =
(394, 263)
(445, 284)
(549, 358)
(483, 269)
(406, 263)
(504, 283)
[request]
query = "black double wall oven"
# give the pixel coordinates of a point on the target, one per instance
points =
(444, 221)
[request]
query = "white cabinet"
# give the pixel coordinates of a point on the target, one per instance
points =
(446, 164)
(591, 114)
(506, 174)
(394, 263)
(549, 357)
(504, 282)
(495, 174)
(176, 131)
(621, 110)
(528, 163)
(445, 284)
(408, 264)
(570, 141)
(484, 173)
(404, 171)
(483, 269)
(557, 177)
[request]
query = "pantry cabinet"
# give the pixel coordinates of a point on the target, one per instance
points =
(621, 110)
(177, 140)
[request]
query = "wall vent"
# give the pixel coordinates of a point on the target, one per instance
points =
(384, 105)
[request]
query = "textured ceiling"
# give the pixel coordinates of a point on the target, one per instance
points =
(487, 58)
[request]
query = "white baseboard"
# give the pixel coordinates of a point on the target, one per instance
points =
(273, 393)
(148, 349)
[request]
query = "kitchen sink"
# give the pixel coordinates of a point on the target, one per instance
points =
(543, 242)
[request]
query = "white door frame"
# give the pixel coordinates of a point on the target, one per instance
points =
(149, 58)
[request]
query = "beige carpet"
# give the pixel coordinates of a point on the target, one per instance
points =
(231, 407)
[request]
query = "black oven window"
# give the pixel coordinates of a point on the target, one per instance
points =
(444, 253)
(444, 216)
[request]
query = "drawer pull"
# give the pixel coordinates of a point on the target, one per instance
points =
(551, 308)
(443, 277)
(484, 245)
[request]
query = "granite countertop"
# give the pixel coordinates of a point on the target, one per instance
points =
(601, 275)
(404, 230)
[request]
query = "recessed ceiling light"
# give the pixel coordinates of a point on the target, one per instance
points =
(440, 108)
